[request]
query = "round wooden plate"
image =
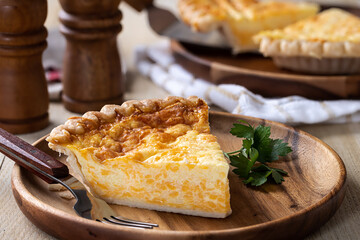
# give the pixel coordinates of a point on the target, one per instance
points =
(310, 195)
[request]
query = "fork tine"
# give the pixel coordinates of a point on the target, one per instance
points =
(133, 221)
(107, 220)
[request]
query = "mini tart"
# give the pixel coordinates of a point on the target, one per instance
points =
(328, 43)
(156, 154)
(240, 20)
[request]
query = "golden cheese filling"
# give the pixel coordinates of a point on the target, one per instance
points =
(161, 158)
(333, 25)
(328, 43)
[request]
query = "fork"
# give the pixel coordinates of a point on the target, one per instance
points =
(50, 170)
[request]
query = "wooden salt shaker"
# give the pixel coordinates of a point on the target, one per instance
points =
(92, 74)
(24, 98)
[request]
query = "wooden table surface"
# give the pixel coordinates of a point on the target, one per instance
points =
(344, 139)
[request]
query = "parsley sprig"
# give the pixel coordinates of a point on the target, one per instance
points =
(258, 149)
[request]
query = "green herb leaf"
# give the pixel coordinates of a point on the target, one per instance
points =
(261, 168)
(242, 131)
(264, 170)
(257, 147)
(279, 148)
(263, 142)
(253, 154)
(247, 143)
(280, 171)
(242, 165)
(257, 178)
(277, 176)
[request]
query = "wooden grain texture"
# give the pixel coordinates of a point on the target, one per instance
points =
(24, 99)
(345, 140)
(310, 195)
(20, 151)
(261, 76)
(92, 75)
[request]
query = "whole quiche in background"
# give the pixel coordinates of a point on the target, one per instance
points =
(328, 43)
(240, 20)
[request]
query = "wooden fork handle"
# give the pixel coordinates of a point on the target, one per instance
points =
(29, 156)
(139, 5)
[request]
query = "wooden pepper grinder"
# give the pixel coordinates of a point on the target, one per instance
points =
(92, 74)
(24, 98)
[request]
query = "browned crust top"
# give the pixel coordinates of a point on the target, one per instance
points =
(152, 112)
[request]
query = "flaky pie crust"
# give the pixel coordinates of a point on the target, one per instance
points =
(333, 33)
(91, 121)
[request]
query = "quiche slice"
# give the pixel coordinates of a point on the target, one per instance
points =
(326, 43)
(240, 20)
(155, 154)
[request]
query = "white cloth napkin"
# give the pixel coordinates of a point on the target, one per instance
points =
(159, 65)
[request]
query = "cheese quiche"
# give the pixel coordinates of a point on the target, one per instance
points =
(328, 43)
(156, 154)
(240, 20)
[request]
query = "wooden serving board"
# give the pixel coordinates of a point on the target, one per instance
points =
(310, 195)
(261, 76)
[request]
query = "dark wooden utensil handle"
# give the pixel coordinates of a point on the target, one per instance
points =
(18, 150)
(139, 5)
